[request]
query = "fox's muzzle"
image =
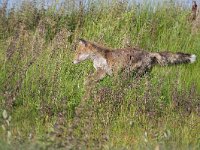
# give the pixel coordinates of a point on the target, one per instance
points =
(75, 62)
(80, 58)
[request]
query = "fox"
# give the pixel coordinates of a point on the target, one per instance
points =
(108, 61)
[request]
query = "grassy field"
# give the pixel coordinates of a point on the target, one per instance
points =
(41, 91)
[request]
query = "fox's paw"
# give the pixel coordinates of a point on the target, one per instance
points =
(87, 82)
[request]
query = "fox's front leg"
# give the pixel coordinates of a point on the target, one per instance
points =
(95, 77)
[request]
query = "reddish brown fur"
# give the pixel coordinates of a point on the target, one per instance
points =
(109, 61)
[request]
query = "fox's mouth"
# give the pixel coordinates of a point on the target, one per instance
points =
(75, 61)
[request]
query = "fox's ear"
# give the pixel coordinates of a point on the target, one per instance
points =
(82, 42)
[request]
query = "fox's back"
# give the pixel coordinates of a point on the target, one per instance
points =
(128, 56)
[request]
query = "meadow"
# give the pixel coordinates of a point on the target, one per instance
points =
(41, 90)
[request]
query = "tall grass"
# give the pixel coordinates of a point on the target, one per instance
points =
(42, 92)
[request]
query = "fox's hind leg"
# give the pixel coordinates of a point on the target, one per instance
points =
(142, 71)
(145, 67)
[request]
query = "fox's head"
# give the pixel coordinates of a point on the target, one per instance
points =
(82, 52)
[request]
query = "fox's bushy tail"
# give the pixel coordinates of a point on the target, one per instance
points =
(170, 58)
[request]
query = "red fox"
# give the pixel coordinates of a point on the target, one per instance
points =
(110, 61)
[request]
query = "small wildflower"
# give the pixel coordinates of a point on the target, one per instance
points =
(5, 115)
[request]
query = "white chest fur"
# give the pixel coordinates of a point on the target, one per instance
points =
(100, 62)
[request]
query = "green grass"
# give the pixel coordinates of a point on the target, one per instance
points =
(41, 90)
